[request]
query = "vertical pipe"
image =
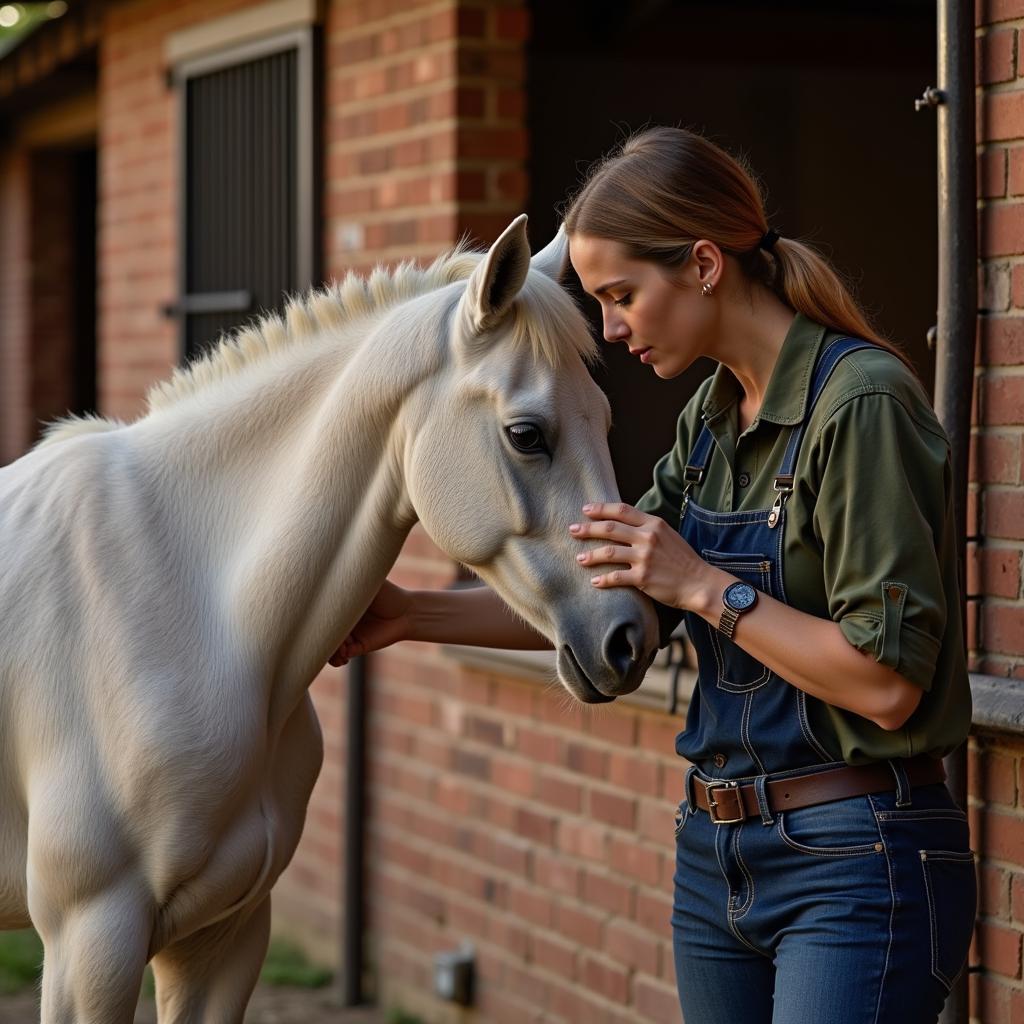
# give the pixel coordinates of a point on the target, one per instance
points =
(354, 816)
(957, 313)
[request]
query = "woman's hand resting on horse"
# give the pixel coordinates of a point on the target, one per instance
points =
(385, 622)
(656, 558)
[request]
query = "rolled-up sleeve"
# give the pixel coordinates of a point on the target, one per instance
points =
(881, 513)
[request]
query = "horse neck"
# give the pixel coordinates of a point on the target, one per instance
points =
(286, 485)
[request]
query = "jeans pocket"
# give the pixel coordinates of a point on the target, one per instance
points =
(739, 672)
(839, 828)
(951, 887)
(682, 813)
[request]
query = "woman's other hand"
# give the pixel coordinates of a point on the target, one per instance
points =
(655, 558)
(385, 622)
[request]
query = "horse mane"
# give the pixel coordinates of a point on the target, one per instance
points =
(539, 322)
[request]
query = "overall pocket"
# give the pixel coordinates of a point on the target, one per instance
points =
(951, 887)
(737, 671)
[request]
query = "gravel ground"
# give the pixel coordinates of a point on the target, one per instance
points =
(268, 1006)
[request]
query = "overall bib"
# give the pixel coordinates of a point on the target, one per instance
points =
(856, 910)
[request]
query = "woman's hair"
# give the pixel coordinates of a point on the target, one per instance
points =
(665, 188)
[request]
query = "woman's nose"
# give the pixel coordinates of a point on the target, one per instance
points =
(615, 329)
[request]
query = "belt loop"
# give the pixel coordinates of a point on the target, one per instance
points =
(902, 782)
(691, 805)
(762, 800)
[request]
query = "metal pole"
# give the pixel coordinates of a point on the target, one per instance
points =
(351, 989)
(957, 313)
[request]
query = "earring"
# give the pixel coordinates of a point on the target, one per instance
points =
(706, 288)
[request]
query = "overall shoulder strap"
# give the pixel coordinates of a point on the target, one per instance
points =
(828, 359)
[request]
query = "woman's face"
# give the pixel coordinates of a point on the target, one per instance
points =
(667, 323)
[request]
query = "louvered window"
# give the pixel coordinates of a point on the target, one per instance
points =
(247, 184)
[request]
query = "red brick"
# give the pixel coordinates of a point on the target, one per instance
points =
(629, 945)
(999, 948)
(1002, 116)
(1000, 571)
(996, 55)
(613, 809)
(1002, 629)
(533, 905)
(1002, 227)
(606, 978)
(559, 792)
(1016, 897)
(589, 761)
(1002, 337)
(1002, 399)
(514, 776)
(993, 11)
(995, 457)
(580, 925)
(553, 954)
(603, 890)
(615, 724)
(1004, 837)
(556, 873)
(1003, 513)
(992, 172)
(998, 778)
(634, 860)
(635, 774)
(993, 892)
(656, 1002)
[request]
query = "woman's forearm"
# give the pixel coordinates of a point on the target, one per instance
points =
(814, 655)
(475, 616)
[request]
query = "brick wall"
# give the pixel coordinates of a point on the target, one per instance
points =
(996, 511)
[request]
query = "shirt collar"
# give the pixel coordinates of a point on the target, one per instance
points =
(786, 397)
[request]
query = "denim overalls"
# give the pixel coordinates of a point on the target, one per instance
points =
(857, 910)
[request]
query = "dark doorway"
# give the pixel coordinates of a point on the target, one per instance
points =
(818, 96)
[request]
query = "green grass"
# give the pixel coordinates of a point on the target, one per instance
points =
(286, 964)
(397, 1015)
(21, 959)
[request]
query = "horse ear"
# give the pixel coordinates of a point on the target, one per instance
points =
(498, 277)
(551, 260)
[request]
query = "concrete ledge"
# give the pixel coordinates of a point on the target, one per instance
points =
(998, 703)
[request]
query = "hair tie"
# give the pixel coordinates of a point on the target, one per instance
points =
(771, 236)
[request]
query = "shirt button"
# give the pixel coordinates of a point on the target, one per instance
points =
(720, 760)
(744, 479)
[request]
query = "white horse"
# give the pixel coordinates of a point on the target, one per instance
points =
(169, 588)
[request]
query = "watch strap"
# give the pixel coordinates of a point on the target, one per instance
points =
(727, 623)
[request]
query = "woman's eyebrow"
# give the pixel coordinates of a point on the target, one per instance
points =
(611, 284)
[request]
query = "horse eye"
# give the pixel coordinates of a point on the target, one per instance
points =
(526, 437)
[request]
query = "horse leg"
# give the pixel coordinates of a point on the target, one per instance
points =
(93, 958)
(208, 977)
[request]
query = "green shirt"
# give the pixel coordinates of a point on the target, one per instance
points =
(869, 530)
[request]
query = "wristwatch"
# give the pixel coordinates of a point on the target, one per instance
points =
(739, 597)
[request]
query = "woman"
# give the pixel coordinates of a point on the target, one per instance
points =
(803, 525)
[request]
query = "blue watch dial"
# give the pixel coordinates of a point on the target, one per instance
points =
(739, 596)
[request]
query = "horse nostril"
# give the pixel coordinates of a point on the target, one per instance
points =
(622, 647)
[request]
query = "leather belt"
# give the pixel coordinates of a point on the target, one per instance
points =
(728, 802)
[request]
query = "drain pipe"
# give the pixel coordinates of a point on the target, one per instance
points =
(953, 101)
(351, 973)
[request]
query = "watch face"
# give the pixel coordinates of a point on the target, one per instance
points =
(739, 596)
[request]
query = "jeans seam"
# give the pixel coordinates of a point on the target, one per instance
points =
(957, 857)
(739, 912)
(748, 746)
(892, 915)
(728, 909)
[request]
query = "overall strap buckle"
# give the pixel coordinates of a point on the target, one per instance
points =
(783, 489)
(713, 804)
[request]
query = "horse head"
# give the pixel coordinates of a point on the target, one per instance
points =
(509, 442)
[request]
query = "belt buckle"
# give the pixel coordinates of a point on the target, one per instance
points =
(713, 803)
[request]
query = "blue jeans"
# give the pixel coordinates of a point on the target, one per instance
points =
(850, 912)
